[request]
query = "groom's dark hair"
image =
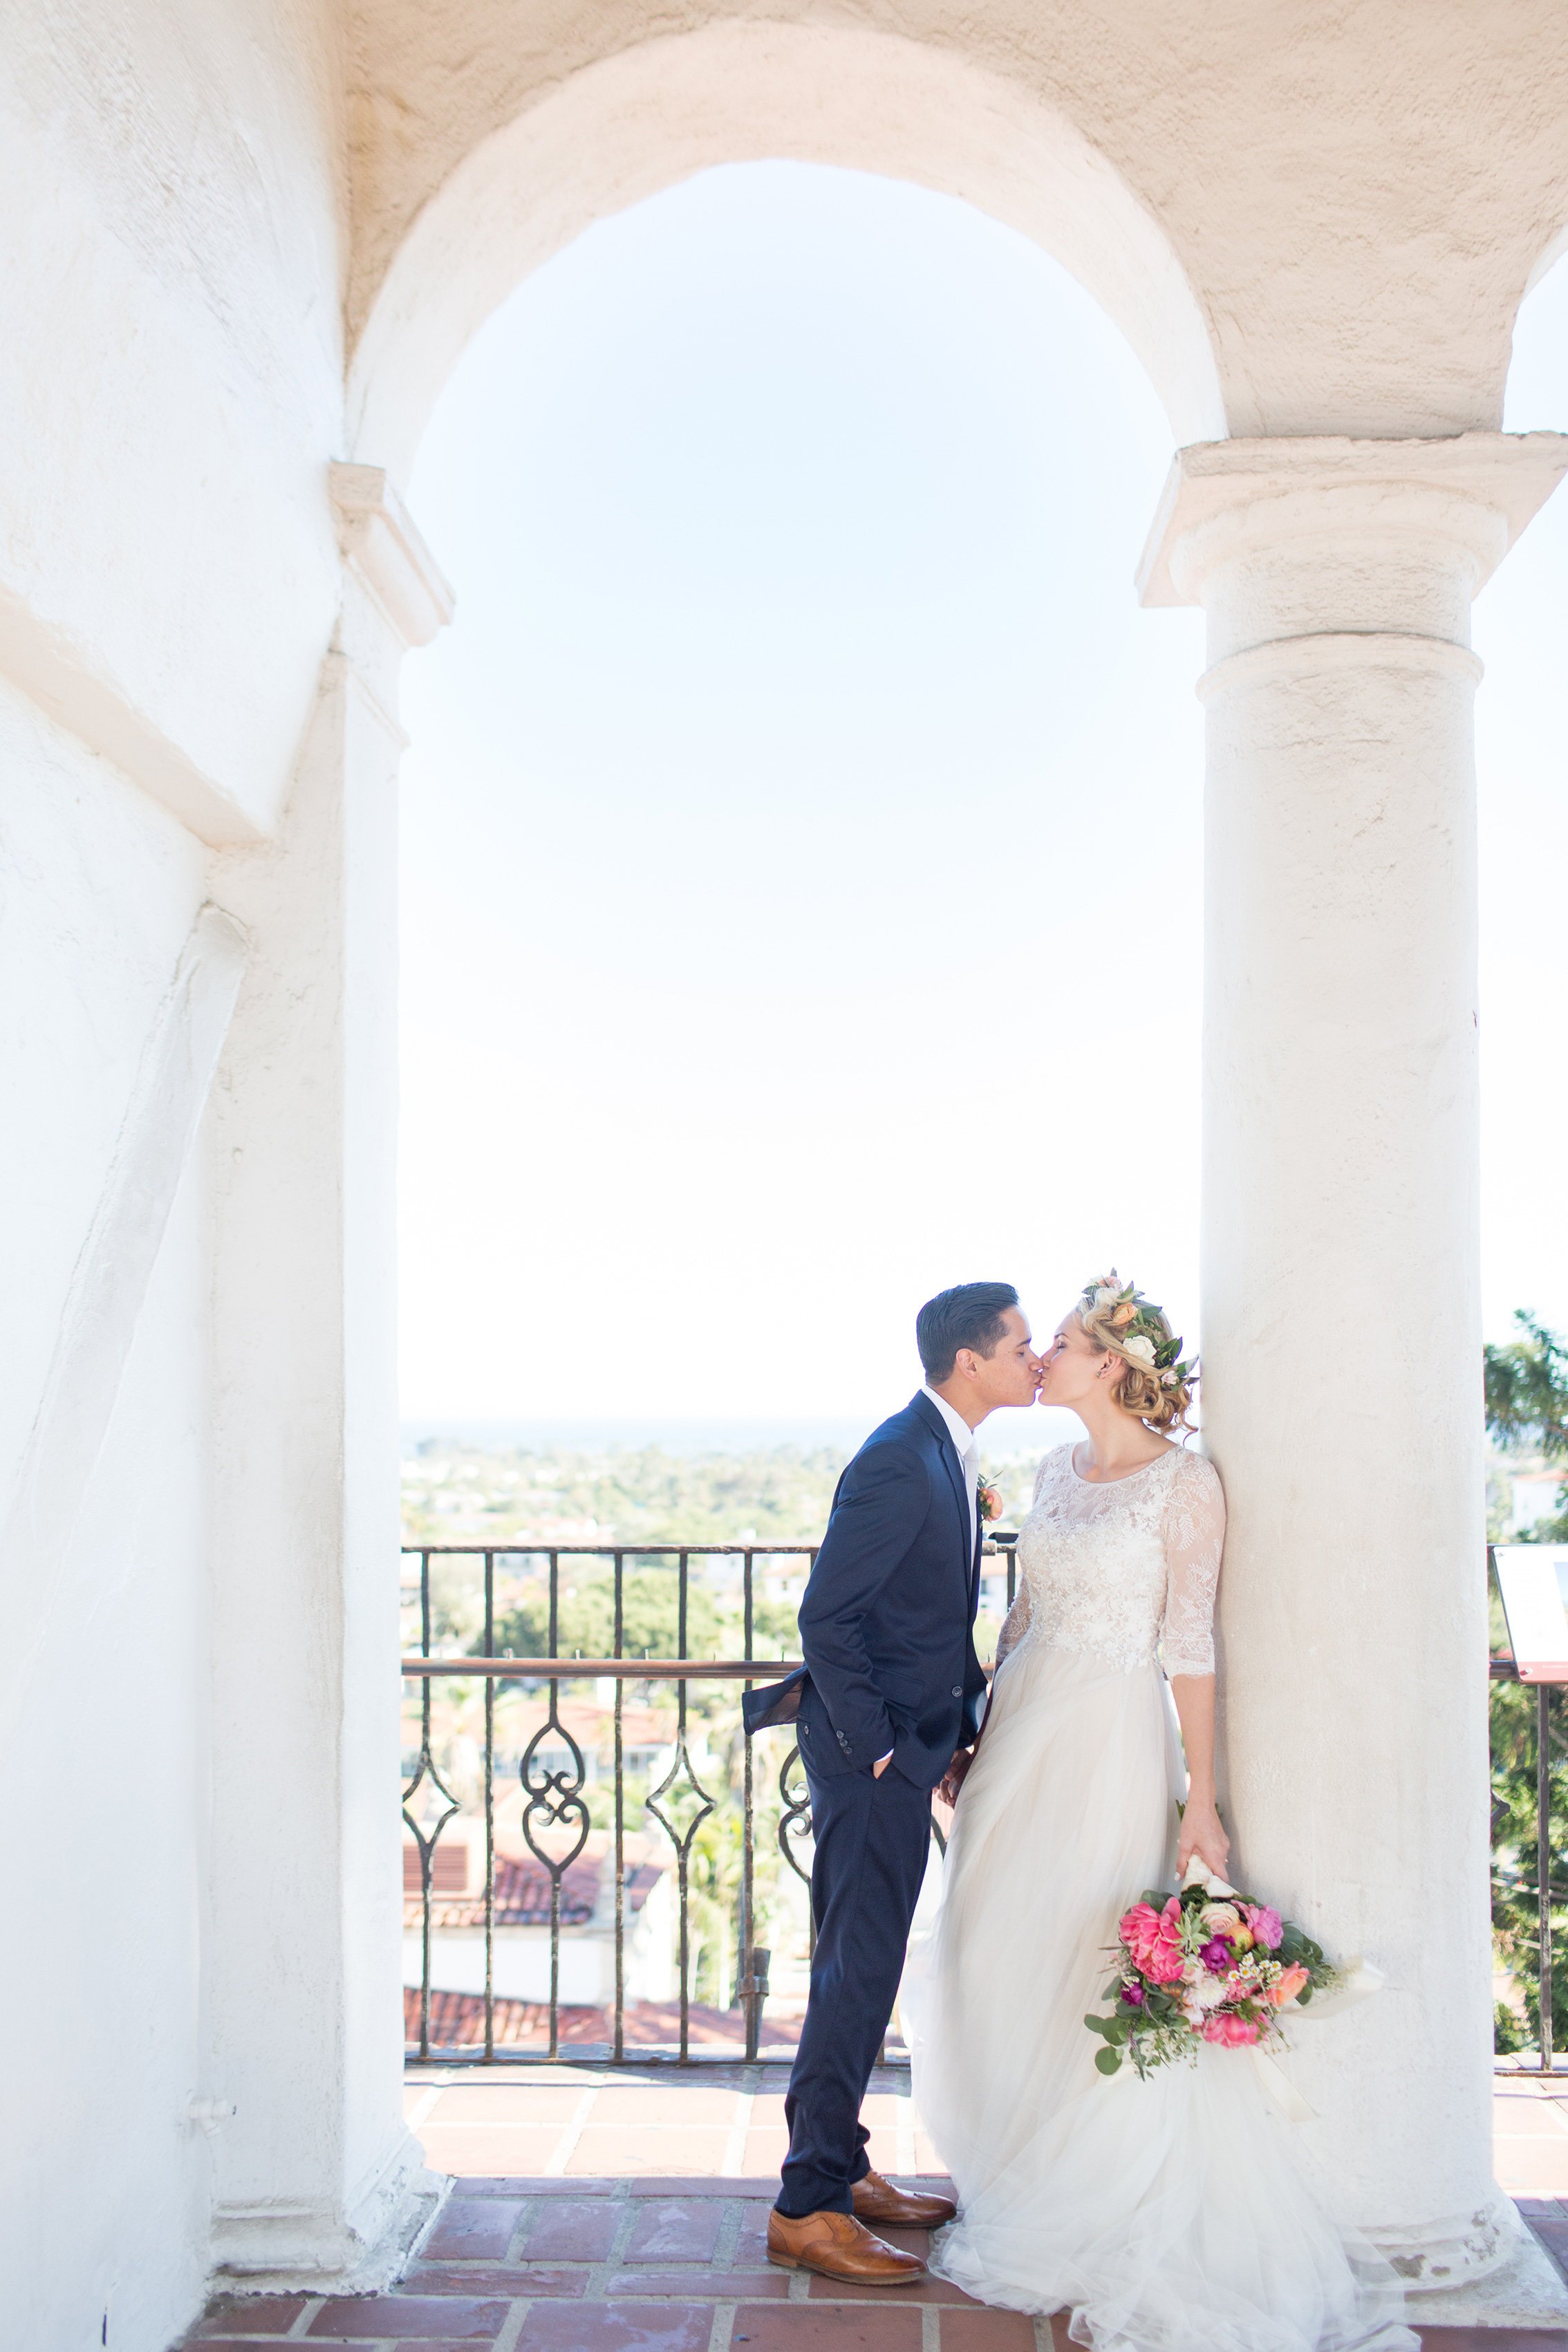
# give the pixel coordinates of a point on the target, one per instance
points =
(967, 1316)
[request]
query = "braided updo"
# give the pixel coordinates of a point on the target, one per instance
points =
(1157, 1386)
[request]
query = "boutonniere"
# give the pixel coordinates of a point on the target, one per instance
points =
(989, 1502)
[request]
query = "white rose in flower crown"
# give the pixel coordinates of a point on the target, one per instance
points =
(1140, 1348)
(1105, 1296)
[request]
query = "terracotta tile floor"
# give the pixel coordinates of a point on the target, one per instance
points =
(719, 2120)
(598, 2211)
(1530, 2136)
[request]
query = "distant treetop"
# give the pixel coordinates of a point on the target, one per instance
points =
(1526, 1389)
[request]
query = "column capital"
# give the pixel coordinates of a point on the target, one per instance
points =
(1224, 498)
(380, 541)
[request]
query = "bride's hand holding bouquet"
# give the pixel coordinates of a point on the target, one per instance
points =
(1204, 1837)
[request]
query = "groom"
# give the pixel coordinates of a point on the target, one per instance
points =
(885, 1706)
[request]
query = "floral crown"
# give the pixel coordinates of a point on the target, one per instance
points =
(1137, 1329)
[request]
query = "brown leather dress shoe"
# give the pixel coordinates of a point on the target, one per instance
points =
(836, 2246)
(877, 2199)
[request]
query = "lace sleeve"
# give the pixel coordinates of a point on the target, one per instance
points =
(1022, 1610)
(1017, 1624)
(1193, 1534)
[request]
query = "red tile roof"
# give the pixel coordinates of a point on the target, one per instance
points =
(523, 1892)
(458, 2022)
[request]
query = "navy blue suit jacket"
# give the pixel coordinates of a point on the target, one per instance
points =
(886, 1624)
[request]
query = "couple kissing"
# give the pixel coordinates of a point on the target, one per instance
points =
(1167, 2214)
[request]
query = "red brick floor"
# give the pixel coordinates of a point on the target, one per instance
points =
(627, 2257)
(620, 2266)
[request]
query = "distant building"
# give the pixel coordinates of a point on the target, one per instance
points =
(520, 1940)
(1536, 1495)
(458, 2022)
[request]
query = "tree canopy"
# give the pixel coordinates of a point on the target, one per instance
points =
(1526, 1389)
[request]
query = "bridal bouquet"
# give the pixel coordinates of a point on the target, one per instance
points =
(1206, 1965)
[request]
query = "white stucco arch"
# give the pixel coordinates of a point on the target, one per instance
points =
(628, 126)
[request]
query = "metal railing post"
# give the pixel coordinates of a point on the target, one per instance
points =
(490, 1812)
(554, 1876)
(618, 2031)
(754, 1992)
(1543, 1862)
(746, 1958)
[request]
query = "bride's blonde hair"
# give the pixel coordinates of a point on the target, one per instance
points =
(1157, 1386)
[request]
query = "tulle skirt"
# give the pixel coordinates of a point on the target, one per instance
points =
(1170, 2215)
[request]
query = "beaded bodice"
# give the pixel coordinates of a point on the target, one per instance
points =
(1126, 1570)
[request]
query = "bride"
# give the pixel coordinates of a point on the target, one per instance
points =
(1169, 2214)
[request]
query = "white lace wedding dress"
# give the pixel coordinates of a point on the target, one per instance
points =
(1170, 2215)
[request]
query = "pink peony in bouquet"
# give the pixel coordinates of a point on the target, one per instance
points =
(1204, 1965)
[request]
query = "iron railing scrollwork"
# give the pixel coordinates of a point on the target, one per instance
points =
(556, 1819)
(794, 1818)
(680, 1768)
(554, 1801)
(426, 1776)
(1504, 1669)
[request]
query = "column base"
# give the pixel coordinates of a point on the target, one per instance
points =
(1453, 2251)
(281, 2246)
(1523, 2289)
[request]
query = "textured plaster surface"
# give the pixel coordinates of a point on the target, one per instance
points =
(103, 1739)
(1340, 1163)
(168, 576)
(622, 128)
(317, 2178)
(1525, 2290)
(1356, 195)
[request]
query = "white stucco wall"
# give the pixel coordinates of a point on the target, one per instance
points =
(103, 1725)
(170, 397)
(625, 126)
(1356, 196)
(167, 569)
(100, 889)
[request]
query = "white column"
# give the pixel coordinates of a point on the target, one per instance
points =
(1341, 1312)
(315, 2176)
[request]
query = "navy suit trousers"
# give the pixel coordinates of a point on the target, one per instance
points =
(871, 1837)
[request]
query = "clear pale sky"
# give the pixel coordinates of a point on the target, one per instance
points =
(802, 822)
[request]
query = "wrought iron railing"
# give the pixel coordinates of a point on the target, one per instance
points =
(555, 1818)
(1523, 1873)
